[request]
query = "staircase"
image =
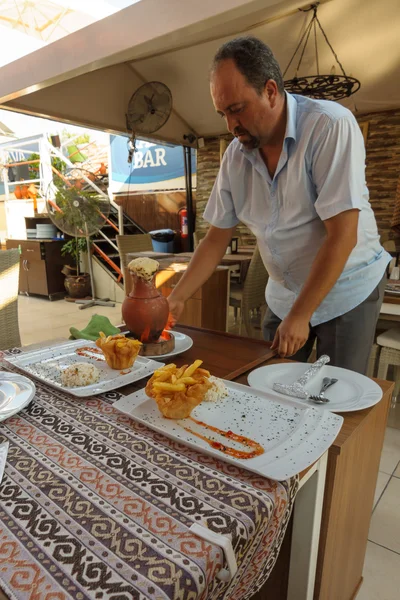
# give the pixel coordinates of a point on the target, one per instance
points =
(105, 243)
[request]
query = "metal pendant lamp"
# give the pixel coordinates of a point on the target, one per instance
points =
(323, 87)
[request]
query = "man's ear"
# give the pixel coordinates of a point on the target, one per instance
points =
(271, 92)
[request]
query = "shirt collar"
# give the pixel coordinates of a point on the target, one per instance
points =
(291, 113)
(291, 124)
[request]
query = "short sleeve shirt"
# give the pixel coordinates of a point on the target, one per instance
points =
(320, 173)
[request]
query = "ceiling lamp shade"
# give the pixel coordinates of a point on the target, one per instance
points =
(323, 87)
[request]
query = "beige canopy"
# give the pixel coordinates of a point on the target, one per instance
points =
(88, 77)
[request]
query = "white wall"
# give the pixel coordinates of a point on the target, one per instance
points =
(105, 285)
(3, 223)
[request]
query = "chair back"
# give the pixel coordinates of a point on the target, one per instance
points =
(253, 297)
(131, 243)
(197, 237)
(9, 280)
(390, 246)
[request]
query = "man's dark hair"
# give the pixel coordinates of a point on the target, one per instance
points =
(253, 59)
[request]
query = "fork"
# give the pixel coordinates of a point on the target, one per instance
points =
(320, 399)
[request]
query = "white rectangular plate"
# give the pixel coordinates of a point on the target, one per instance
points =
(292, 434)
(46, 364)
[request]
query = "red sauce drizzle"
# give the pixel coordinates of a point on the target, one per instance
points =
(245, 441)
(88, 352)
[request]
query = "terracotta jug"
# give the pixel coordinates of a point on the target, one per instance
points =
(145, 311)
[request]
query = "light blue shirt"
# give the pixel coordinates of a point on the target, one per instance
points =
(320, 173)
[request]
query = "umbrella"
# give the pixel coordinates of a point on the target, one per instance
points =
(43, 19)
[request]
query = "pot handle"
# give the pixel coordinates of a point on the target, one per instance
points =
(80, 279)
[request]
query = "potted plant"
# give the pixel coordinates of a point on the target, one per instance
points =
(76, 283)
(79, 214)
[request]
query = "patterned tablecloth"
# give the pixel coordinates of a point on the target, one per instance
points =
(96, 506)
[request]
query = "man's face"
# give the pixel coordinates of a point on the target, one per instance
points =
(249, 116)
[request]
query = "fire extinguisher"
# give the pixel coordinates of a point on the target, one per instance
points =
(183, 222)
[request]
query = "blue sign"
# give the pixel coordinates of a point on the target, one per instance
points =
(153, 166)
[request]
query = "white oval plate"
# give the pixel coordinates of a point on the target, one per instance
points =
(351, 392)
(16, 392)
(293, 435)
(182, 343)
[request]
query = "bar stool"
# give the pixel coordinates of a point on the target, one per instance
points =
(390, 355)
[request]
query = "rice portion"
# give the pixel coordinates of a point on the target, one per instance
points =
(80, 374)
(217, 391)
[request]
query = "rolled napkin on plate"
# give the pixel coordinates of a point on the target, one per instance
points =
(92, 330)
(296, 389)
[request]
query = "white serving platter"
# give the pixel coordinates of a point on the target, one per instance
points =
(46, 364)
(351, 392)
(293, 435)
(16, 392)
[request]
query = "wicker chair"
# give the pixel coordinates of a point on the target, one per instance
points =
(389, 245)
(250, 296)
(390, 355)
(197, 238)
(373, 361)
(9, 276)
(132, 243)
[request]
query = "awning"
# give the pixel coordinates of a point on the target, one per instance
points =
(88, 77)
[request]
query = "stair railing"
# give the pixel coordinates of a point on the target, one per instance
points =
(54, 151)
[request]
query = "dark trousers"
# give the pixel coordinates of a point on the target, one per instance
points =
(347, 340)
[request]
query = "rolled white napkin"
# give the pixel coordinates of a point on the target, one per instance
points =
(3, 458)
(296, 389)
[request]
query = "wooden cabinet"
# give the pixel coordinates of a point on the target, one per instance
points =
(208, 307)
(37, 278)
(40, 267)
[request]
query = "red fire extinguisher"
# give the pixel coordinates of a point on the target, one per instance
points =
(183, 222)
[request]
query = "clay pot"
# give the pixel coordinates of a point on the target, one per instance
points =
(24, 192)
(78, 286)
(32, 191)
(145, 311)
(69, 270)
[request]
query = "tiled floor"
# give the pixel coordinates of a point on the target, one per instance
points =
(40, 319)
(382, 562)
(43, 320)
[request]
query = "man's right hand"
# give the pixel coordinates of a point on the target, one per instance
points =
(175, 310)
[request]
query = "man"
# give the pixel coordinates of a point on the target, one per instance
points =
(295, 175)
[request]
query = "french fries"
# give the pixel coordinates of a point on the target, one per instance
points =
(178, 391)
(119, 351)
(171, 387)
(190, 370)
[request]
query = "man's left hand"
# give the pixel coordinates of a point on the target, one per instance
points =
(291, 335)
